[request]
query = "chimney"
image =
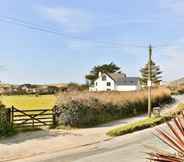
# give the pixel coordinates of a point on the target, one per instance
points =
(99, 74)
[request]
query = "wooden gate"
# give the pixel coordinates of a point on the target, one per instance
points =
(32, 118)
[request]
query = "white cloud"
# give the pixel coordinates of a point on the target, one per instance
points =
(72, 20)
(172, 62)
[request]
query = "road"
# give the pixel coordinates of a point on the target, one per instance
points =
(127, 148)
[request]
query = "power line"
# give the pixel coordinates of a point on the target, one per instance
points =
(99, 43)
(19, 22)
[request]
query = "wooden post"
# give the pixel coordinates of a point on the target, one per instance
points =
(149, 81)
(33, 123)
(12, 116)
(8, 116)
(54, 116)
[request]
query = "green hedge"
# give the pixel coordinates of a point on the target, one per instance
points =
(92, 111)
(138, 125)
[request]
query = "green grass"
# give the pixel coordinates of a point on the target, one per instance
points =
(29, 101)
(145, 123)
(138, 125)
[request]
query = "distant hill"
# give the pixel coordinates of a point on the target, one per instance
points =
(59, 85)
(178, 81)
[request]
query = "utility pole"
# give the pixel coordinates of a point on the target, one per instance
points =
(149, 81)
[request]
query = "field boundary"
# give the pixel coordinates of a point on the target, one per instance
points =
(31, 118)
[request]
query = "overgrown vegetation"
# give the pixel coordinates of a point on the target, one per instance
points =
(177, 89)
(88, 109)
(5, 127)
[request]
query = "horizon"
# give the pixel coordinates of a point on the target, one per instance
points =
(44, 42)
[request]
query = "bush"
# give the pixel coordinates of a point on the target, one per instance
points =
(5, 127)
(89, 109)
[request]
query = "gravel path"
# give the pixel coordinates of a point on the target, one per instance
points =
(30, 144)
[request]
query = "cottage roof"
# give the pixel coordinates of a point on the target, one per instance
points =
(117, 76)
(121, 79)
(128, 81)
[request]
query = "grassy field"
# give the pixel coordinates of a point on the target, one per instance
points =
(29, 101)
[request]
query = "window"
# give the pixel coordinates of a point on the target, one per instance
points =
(108, 83)
(96, 83)
(104, 78)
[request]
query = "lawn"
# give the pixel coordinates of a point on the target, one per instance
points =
(29, 101)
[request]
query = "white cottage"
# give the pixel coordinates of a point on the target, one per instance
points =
(115, 82)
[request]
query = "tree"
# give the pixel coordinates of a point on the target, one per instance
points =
(106, 68)
(155, 74)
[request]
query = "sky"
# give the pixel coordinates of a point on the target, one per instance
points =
(88, 33)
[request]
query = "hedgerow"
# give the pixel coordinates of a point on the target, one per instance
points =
(89, 109)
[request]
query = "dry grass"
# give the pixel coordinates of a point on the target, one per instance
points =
(177, 89)
(114, 97)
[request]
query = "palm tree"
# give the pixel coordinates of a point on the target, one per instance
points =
(174, 138)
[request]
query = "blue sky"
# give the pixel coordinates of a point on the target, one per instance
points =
(94, 32)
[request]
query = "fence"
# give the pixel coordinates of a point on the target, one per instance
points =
(16, 118)
(32, 118)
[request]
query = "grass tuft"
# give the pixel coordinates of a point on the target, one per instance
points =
(145, 123)
(138, 125)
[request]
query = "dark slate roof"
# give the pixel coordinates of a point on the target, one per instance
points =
(117, 76)
(128, 81)
(121, 79)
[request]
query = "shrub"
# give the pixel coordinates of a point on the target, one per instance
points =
(88, 109)
(5, 128)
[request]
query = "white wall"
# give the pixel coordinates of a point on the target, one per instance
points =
(127, 88)
(102, 85)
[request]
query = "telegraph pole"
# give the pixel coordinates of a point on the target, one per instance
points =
(149, 81)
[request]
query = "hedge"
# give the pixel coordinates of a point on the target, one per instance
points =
(5, 125)
(90, 111)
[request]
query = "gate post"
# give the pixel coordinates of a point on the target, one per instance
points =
(54, 116)
(12, 115)
(8, 116)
